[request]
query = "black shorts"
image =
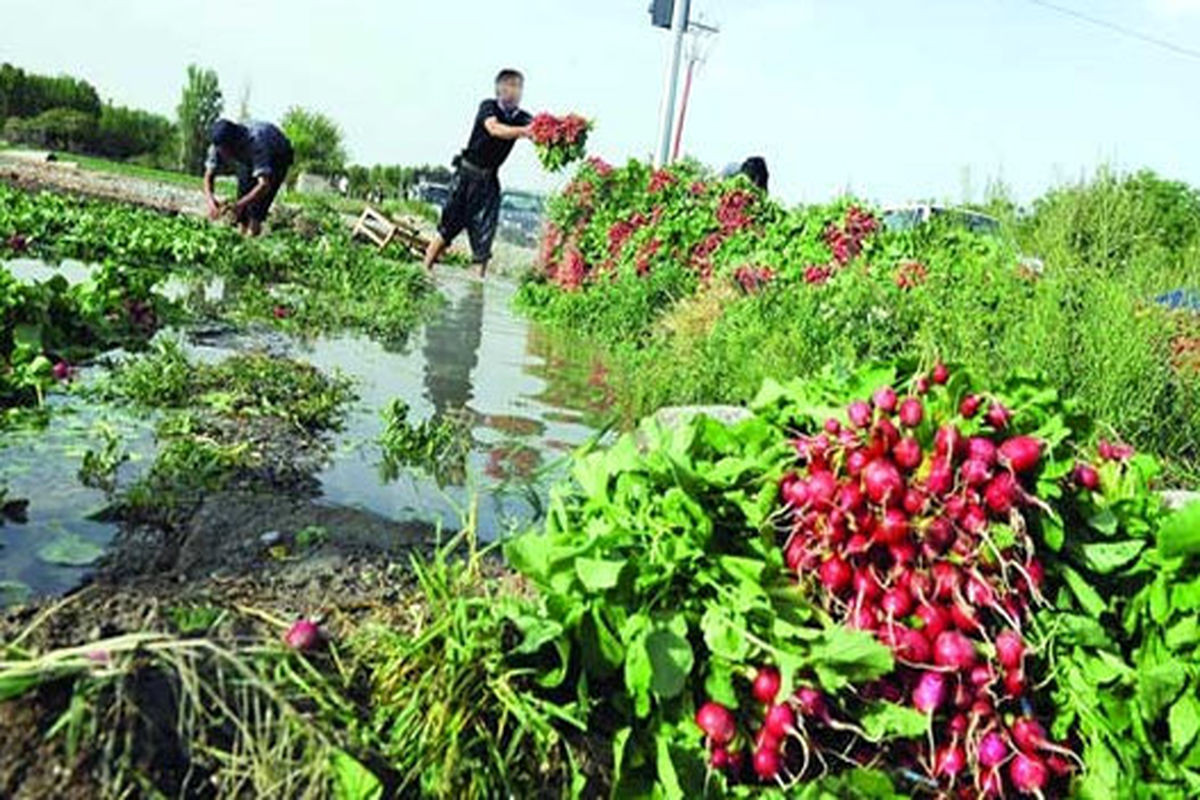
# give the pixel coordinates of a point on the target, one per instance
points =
(257, 211)
(474, 205)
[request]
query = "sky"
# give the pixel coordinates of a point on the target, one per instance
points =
(895, 100)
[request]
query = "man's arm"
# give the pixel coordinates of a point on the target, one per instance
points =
(260, 186)
(214, 208)
(499, 130)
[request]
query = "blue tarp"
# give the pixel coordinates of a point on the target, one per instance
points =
(1180, 299)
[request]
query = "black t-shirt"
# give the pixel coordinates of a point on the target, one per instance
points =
(484, 150)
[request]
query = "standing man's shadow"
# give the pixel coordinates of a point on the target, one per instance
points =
(452, 351)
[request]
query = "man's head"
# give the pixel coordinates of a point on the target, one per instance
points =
(755, 168)
(227, 135)
(510, 83)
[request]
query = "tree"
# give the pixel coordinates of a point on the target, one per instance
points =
(199, 107)
(127, 132)
(57, 129)
(316, 141)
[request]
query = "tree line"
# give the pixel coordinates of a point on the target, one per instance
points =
(66, 113)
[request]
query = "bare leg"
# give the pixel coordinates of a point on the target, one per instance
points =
(437, 246)
(483, 265)
(255, 227)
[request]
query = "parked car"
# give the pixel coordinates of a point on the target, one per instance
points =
(436, 194)
(520, 218)
(905, 218)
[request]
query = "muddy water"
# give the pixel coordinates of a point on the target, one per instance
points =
(529, 399)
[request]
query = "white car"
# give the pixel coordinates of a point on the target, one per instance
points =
(904, 218)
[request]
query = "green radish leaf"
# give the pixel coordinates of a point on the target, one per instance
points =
(598, 574)
(352, 780)
(1184, 722)
(1180, 532)
(1088, 598)
(671, 661)
(1107, 557)
(722, 635)
(1104, 521)
(889, 720)
(1158, 686)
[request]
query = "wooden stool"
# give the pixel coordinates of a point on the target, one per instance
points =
(376, 226)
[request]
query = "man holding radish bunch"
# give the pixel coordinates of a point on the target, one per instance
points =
(474, 203)
(260, 154)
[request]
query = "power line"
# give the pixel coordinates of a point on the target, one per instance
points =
(1121, 29)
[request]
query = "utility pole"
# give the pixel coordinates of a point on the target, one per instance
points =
(701, 34)
(679, 24)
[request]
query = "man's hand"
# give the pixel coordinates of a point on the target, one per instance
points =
(214, 208)
(527, 132)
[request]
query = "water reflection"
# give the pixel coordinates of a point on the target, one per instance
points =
(451, 351)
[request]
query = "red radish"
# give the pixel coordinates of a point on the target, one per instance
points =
(304, 635)
(982, 708)
(821, 488)
(795, 491)
(719, 758)
(61, 371)
(907, 453)
(1020, 453)
(717, 723)
(975, 472)
(896, 602)
(980, 593)
(941, 374)
(779, 721)
(811, 703)
(858, 544)
(992, 749)
(939, 533)
(915, 501)
(859, 414)
(930, 692)
(768, 740)
(882, 481)
(1010, 649)
(948, 443)
(795, 553)
(998, 416)
(969, 406)
(922, 385)
(902, 553)
(1086, 476)
(947, 580)
(1058, 765)
(850, 497)
(1001, 493)
(866, 586)
(863, 618)
(953, 650)
(935, 619)
(964, 618)
(885, 435)
(766, 685)
(282, 312)
(908, 644)
(1029, 735)
(958, 724)
(951, 761)
(1105, 450)
(893, 528)
(885, 399)
(1028, 774)
(982, 675)
(767, 763)
(833, 427)
(991, 784)
(856, 461)
(836, 575)
(941, 478)
(911, 412)
(1015, 682)
(982, 449)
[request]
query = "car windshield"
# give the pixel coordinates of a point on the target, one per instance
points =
(901, 219)
(522, 203)
(971, 220)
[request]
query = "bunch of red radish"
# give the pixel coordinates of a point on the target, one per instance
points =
(547, 129)
(906, 527)
(846, 240)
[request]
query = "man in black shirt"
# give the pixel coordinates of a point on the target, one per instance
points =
(474, 202)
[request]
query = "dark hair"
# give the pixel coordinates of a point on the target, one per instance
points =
(224, 132)
(755, 168)
(508, 74)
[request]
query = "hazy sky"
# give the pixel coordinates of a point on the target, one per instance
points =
(896, 99)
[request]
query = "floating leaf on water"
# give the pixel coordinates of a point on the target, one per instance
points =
(13, 593)
(70, 550)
